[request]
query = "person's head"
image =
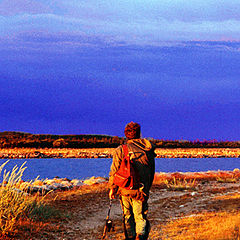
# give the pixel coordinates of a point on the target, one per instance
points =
(132, 130)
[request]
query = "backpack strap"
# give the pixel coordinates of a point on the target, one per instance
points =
(125, 150)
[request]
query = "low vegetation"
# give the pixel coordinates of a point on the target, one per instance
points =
(227, 180)
(18, 210)
(209, 226)
(178, 184)
(28, 140)
(21, 213)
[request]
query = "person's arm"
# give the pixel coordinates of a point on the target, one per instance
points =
(152, 170)
(117, 159)
(152, 164)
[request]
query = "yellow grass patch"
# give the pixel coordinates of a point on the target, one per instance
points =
(219, 176)
(176, 184)
(17, 207)
(96, 152)
(208, 226)
(71, 194)
(228, 196)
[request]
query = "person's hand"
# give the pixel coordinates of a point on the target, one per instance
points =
(112, 194)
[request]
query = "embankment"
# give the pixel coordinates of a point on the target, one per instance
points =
(6, 153)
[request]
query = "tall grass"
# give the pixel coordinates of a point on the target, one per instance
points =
(16, 205)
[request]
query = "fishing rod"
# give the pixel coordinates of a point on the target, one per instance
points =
(109, 224)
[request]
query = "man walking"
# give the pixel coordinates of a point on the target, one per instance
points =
(134, 201)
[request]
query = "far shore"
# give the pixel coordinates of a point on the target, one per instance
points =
(21, 153)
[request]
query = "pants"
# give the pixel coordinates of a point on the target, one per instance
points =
(135, 217)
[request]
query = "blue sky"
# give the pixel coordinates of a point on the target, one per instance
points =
(77, 67)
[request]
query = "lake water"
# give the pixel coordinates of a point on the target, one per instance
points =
(85, 168)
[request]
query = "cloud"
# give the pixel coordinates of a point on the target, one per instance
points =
(75, 62)
(138, 10)
(114, 32)
(133, 22)
(13, 7)
(128, 11)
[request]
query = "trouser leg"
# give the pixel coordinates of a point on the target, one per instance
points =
(128, 217)
(140, 210)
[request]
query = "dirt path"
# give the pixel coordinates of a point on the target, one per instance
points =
(88, 210)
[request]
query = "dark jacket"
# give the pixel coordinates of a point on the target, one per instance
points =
(141, 152)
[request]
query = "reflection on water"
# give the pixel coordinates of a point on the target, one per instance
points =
(84, 168)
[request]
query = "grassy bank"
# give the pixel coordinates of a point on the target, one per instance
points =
(181, 206)
(21, 213)
(108, 152)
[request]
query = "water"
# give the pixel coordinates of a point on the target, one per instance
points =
(84, 168)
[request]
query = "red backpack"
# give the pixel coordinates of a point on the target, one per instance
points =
(127, 176)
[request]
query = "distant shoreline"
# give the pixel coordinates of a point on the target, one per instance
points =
(26, 153)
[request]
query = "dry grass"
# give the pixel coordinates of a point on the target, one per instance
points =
(95, 152)
(17, 208)
(219, 176)
(203, 226)
(209, 226)
(227, 180)
(197, 152)
(177, 184)
(230, 178)
(21, 213)
(228, 197)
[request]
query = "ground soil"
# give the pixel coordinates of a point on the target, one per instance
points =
(85, 209)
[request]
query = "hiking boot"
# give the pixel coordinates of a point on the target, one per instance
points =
(140, 237)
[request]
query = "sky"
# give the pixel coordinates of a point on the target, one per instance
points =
(92, 66)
